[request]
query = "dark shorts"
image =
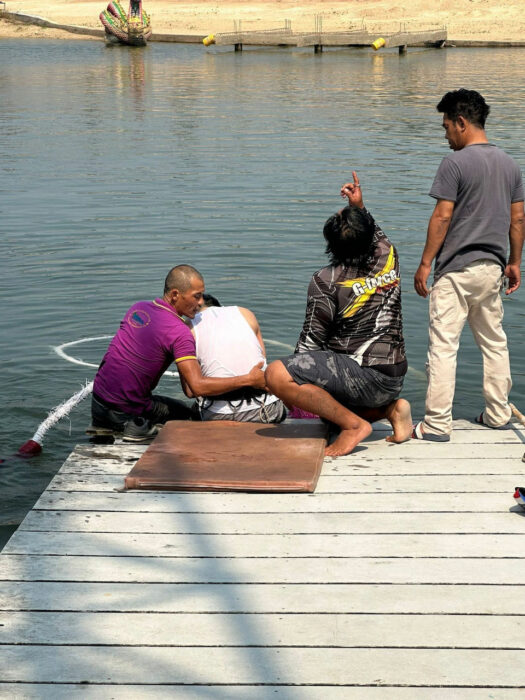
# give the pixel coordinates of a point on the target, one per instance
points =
(343, 378)
(274, 412)
(164, 408)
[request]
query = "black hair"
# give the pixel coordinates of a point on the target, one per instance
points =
(349, 236)
(210, 300)
(465, 103)
(181, 277)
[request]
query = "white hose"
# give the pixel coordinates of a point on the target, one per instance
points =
(61, 411)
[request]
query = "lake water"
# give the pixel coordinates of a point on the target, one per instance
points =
(118, 164)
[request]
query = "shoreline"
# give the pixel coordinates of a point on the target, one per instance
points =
(53, 30)
(468, 22)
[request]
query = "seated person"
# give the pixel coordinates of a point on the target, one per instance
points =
(350, 359)
(151, 336)
(228, 341)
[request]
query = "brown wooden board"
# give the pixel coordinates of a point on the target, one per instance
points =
(229, 456)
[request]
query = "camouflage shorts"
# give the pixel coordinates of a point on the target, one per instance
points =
(343, 378)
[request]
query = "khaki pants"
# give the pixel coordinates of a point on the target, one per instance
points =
(471, 294)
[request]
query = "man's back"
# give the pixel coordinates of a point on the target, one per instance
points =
(357, 310)
(150, 337)
(482, 181)
(226, 344)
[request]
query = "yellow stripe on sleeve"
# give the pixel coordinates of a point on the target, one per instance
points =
(186, 357)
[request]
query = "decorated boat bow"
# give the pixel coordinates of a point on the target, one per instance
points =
(133, 29)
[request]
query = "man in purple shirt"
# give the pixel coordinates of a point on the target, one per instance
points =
(151, 336)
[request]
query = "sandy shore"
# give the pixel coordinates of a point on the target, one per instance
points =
(481, 20)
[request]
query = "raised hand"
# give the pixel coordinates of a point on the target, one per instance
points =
(352, 191)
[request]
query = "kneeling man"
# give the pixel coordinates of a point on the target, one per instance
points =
(349, 363)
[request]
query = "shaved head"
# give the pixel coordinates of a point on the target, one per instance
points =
(180, 277)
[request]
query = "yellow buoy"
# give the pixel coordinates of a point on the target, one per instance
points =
(378, 44)
(210, 39)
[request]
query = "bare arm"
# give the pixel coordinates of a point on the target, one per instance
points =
(516, 235)
(185, 387)
(437, 230)
(252, 321)
(195, 384)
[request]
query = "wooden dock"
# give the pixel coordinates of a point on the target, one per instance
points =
(319, 39)
(402, 577)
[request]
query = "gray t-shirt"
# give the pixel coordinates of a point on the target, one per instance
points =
(483, 181)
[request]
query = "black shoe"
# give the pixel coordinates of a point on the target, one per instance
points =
(99, 430)
(102, 439)
(139, 430)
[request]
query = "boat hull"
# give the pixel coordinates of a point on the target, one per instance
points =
(133, 29)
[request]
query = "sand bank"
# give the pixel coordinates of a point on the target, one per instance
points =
(479, 20)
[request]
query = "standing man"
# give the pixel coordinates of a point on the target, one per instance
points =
(479, 208)
(153, 335)
(350, 359)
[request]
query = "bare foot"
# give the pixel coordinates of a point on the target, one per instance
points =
(399, 415)
(347, 440)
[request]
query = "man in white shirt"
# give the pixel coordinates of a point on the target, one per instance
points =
(228, 339)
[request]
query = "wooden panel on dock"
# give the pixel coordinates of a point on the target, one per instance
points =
(229, 456)
(401, 578)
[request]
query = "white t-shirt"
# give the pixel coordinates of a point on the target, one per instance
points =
(227, 347)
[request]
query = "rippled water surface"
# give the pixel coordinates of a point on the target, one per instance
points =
(118, 164)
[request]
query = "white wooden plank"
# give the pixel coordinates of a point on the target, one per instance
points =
(274, 523)
(277, 598)
(188, 545)
(351, 464)
(309, 630)
(431, 466)
(457, 424)
(485, 447)
(42, 691)
(264, 665)
(166, 502)
(497, 444)
(15, 567)
(463, 437)
(343, 483)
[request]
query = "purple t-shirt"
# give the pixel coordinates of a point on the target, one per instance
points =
(151, 336)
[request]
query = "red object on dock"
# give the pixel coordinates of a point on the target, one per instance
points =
(29, 449)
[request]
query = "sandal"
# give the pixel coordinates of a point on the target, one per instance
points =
(418, 434)
(479, 420)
